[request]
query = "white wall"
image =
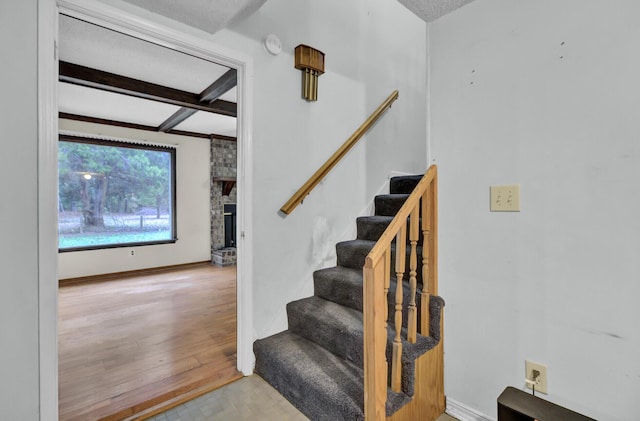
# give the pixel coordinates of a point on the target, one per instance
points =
(19, 399)
(192, 209)
(285, 127)
(544, 94)
(365, 61)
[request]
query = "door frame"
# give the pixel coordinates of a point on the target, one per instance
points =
(135, 23)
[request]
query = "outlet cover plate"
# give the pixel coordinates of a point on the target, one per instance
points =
(505, 198)
(542, 378)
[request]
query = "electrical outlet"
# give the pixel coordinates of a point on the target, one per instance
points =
(505, 198)
(132, 252)
(537, 373)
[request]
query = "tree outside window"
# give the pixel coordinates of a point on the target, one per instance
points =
(114, 194)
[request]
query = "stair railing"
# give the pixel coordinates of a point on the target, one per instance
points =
(420, 213)
(317, 177)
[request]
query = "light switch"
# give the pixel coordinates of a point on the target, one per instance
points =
(505, 198)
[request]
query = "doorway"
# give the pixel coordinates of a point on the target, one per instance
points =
(149, 31)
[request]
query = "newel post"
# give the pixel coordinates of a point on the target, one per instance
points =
(375, 339)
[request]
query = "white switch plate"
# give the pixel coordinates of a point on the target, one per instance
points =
(505, 198)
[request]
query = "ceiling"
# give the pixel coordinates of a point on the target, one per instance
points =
(208, 15)
(95, 47)
(430, 10)
(213, 15)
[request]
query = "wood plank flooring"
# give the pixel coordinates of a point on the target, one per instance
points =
(128, 344)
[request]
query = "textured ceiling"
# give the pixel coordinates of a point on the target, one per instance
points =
(430, 10)
(208, 15)
(213, 15)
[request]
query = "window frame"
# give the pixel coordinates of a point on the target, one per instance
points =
(132, 144)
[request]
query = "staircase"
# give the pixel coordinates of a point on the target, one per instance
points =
(317, 364)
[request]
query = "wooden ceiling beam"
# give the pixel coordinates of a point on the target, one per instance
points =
(221, 86)
(176, 118)
(98, 79)
(214, 91)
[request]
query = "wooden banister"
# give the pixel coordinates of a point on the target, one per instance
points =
(313, 181)
(421, 212)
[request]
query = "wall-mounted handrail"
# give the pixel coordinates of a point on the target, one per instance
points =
(419, 214)
(313, 181)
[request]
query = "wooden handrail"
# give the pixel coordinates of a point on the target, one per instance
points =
(421, 211)
(313, 181)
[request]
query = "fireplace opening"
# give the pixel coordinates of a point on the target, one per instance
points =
(230, 225)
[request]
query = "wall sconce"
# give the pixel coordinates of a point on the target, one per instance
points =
(311, 62)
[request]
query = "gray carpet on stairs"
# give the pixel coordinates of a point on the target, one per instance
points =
(404, 184)
(332, 326)
(317, 363)
(340, 285)
(320, 384)
(389, 204)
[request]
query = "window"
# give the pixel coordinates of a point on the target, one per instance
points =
(114, 194)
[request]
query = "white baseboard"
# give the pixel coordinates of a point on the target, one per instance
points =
(399, 173)
(384, 189)
(464, 413)
(370, 208)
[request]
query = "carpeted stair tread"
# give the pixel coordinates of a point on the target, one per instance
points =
(339, 284)
(389, 204)
(404, 184)
(339, 330)
(352, 253)
(343, 285)
(336, 328)
(371, 227)
(318, 383)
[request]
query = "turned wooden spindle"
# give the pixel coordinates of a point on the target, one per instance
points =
(425, 296)
(396, 358)
(412, 322)
(387, 283)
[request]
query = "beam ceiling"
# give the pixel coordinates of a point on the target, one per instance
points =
(208, 96)
(93, 78)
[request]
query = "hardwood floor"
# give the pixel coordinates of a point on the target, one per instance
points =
(128, 344)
